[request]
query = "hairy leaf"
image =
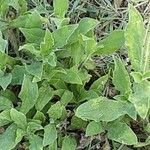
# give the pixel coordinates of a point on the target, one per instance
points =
(56, 110)
(121, 78)
(45, 95)
(98, 85)
(5, 117)
(62, 35)
(141, 98)
(7, 139)
(94, 128)
(35, 143)
(72, 76)
(122, 133)
(5, 79)
(33, 35)
(47, 44)
(60, 7)
(69, 143)
(5, 103)
(134, 37)
(103, 109)
(3, 43)
(35, 69)
(50, 134)
(18, 74)
(18, 118)
(112, 43)
(28, 94)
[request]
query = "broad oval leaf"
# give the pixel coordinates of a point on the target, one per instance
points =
(122, 133)
(103, 109)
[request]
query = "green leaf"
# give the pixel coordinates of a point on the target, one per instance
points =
(103, 109)
(90, 45)
(3, 43)
(122, 133)
(56, 110)
(99, 84)
(6, 60)
(51, 59)
(112, 43)
(72, 76)
(77, 123)
(30, 47)
(35, 69)
(66, 98)
(33, 20)
(5, 79)
(60, 7)
(5, 103)
(33, 35)
(50, 134)
(5, 117)
(87, 95)
(137, 76)
(47, 44)
(14, 4)
(62, 35)
(39, 116)
(121, 78)
(18, 74)
(33, 127)
(76, 52)
(141, 98)
(19, 135)
(134, 39)
(35, 143)
(9, 95)
(45, 95)
(53, 146)
(18, 118)
(28, 94)
(60, 22)
(69, 143)
(94, 128)
(146, 75)
(85, 25)
(7, 139)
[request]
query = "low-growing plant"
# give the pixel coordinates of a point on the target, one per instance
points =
(46, 90)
